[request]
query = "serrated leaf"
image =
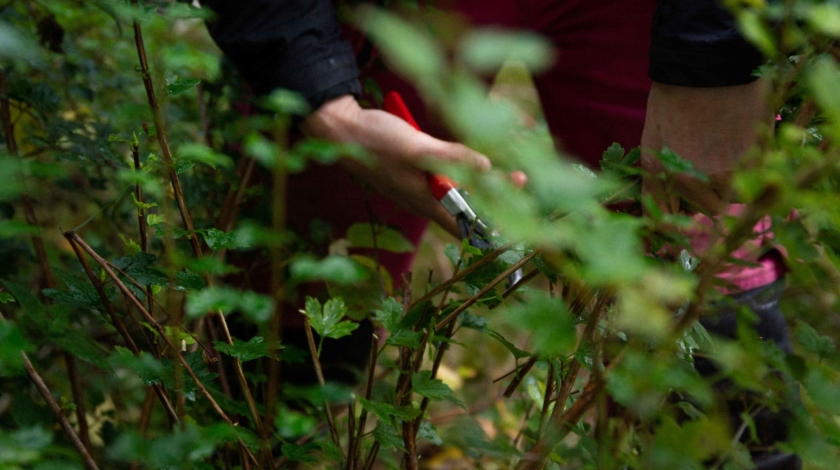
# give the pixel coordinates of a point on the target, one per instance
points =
(388, 412)
(423, 384)
(407, 338)
(254, 348)
(474, 322)
(428, 432)
(387, 435)
(218, 240)
(140, 267)
(189, 280)
(181, 85)
(299, 453)
(517, 353)
(145, 365)
(390, 315)
(155, 219)
(326, 321)
(814, 342)
(80, 345)
(673, 163)
(196, 363)
(363, 235)
(224, 299)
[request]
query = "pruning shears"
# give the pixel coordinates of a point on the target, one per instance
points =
(472, 227)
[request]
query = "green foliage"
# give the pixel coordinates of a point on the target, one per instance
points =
(254, 348)
(599, 322)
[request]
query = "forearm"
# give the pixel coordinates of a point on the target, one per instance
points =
(710, 127)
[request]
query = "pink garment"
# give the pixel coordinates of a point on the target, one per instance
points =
(758, 268)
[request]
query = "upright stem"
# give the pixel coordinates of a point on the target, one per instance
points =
(43, 263)
(160, 131)
(320, 373)
(56, 409)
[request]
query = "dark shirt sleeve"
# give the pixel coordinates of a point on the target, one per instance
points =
(696, 43)
(291, 44)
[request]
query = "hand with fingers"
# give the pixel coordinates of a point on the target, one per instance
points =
(400, 150)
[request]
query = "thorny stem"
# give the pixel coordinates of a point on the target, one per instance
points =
(43, 263)
(118, 324)
(161, 332)
(320, 374)
(56, 409)
(166, 153)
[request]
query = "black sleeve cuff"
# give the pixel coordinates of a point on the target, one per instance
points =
(696, 43)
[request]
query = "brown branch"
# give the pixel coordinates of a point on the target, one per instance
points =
(320, 373)
(521, 372)
(56, 409)
(43, 263)
(560, 427)
(166, 154)
(492, 284)
(161, 331)
(353, 451)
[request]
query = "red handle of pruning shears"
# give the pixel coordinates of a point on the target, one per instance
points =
(439, 184)
(446, 191)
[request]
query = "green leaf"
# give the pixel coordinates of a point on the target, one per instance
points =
(198, 153)
(407, 338)
(291, 424)
(12, 344)
(253, 349)
(812, 341)
(218, 240)
(181, 85)
(196, 363)
(155, 219)
(327, 321)
(548, 320)
(409, 51)
(673, 163)
(390, 315)
(6, 297)
(423, 384)
(299, 453)
(517, 353)
(333, 268)
(487, 50)
(259, 308)
(142, 205)
(364, 235)
(386, 434)
(80, 294)
(140, 267)
(189, 280)
(473, 322)
(287, 102)
(387, 412)
(149, 369)
(82, 346)
(23, 446)
(428, 432)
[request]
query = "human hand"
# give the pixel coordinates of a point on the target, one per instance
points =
(710, 127)
(400, 150)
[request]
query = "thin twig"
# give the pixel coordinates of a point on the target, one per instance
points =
(161, 331)
(118, 324)
(320, 374)
(492, 284)
(56, 409)
(43, 263)
(353, 452)
(160, 131)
